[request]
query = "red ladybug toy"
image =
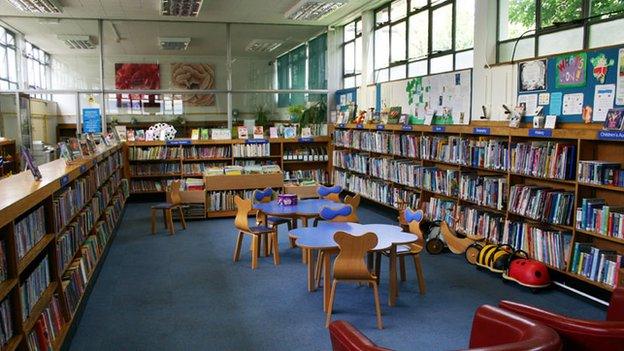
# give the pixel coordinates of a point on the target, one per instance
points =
(529, 273)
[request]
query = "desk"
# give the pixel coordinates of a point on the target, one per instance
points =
(304, 209)
(322, 238)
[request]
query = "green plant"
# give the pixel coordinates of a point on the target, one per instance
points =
(315, 114)
(262, 116)
(178, 122)
(296, 112)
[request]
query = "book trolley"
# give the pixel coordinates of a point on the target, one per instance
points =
(54, 234)
(557, 194)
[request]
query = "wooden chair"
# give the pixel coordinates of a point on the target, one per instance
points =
(266, 195)
(345, 213)
(174, 203)
(412, 218)
(354, 201)
(241, 222)
(350, 266)
(329, 192)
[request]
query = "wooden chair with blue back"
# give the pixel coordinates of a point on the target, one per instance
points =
(174, 202)
(266, 195)
(241, 222)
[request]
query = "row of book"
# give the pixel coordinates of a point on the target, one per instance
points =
(219, 201)
(542, 204)
(596, 216)
(441, 181)
(198, 167)
(440, 209)
(483, 190)
(155, 169)
(69, 201)
(4, 270)
(601, 173)
(489, 153)
(141, 186)
(308, 153)
(450, 149)
(317, 176)
(207, 152)
(29, 230)
(379, 191)
(32, 288)
(251, 150)
(544, 159)
(252, 168)
(105, 168)
(47, 328)
(602, 266)
(6, 322)
(549, 246)
(154, 153)
(478, 223)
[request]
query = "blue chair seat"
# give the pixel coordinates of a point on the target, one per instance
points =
(278, 220)
(259, 229)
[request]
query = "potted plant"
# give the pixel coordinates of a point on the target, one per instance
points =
(262, 116)
(295, 112)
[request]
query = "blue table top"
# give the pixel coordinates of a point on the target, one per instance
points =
(322, 237)
(309, 207)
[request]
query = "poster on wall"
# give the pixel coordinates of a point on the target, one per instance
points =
(91, 120)
(137, 76)
(571, 70)
(194, 76)
(619, 95)
(533, 76)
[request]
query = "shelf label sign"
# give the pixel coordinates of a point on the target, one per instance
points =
(91, 120)
(256, 141)
(406, 127)
(481, 131)
(341, 125)
(83, 168)
(538, 132)
(178, 142)
(611, 135)
(359, 126)
(381, 127)
(306, 140)
(439, 129)
(64, 180)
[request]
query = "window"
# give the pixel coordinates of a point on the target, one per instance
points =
(419, 37)
(8, 61)
(352, 54)
(38, 71)
(532, 28)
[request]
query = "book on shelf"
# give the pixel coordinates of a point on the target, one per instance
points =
(543, 204)
(251, 150)
(204, 134)
(376, 190)
(490, 154)
(601, 173)
(439, 209)
(4, 273)
(33, 287)
(242, 132)
(314, 176)
(219, 201)
(74, 282)
(596, 216)
(47, 327)
(479, 223)
(595, 264)
(221, 134)
(483, 190)
(549, 246)
(29, 230)
(544, 159)
(195, 134)
(6, 322)
(121, 132)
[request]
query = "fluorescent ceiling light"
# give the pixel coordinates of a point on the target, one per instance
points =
(178, 44)
(180, 8)
(80, 42)
(263, 45)
(38, 6)
(310, 10)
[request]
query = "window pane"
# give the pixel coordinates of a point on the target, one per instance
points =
(10, 39)
(358, 55)
(2, 36)
(12, 65)
(358, 80)
(569, 40)
(358, 27)
(599, 7)
(418, 35)
(464, 24)
(382, 16)
(525, 49)
(606, 33)
(4, 85)
(416, 69)
(516, 17)
(397, 72)
(442, 64)
(3, 63)
(417, 4)
(554, 11)
(381, 76)
(382, 47)
(442, 28)
(398, 42)
(349, 32)
(464, 59)
(349, 58)
(398, 10)
(349, 82)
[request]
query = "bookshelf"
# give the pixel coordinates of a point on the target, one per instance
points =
(149, 167)
(69, 218)
(500, 184)
(8, 153)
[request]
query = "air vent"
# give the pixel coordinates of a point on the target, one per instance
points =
(80, 42)
(263, 45)
(38, 6)
(311, 10)
(180, 8)
(174, 44)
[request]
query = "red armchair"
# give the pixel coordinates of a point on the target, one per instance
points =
(578, 334)
(493, 329)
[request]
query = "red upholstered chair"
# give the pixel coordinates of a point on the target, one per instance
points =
(493, 329)
(578, 334)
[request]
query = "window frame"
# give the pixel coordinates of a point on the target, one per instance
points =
(428, 8)
(357, 36)
(12, 85)
(583, 22)
(40, 60)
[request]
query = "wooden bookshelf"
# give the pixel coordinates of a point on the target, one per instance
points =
(22, 195)
(589, 143)
(10, 163)
(286, 153)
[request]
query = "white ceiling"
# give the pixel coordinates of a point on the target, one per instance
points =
(243, 11)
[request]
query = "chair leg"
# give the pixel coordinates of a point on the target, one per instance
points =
(237, 249)
(319, 268)
(331, 303)
(402, 268)
(153, 221)
(290, 225)
(378, 266)
(182, 218)
(275, 246)
(377, 305)
(170, 222)
(255, 251)
(265, 246)
(419, 274)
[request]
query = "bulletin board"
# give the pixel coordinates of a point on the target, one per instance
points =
(570, 88)
(344, 97)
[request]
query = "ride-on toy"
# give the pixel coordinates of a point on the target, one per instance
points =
(527, 272)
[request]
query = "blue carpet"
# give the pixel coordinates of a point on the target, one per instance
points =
(183, 292)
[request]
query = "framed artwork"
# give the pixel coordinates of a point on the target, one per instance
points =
(194, 76)
(532, 75)
(571, 70)
(137, 76)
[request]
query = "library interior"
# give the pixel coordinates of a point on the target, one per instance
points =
(346, 175)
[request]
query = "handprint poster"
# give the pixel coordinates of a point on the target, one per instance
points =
(194, 76)
(571, 70)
